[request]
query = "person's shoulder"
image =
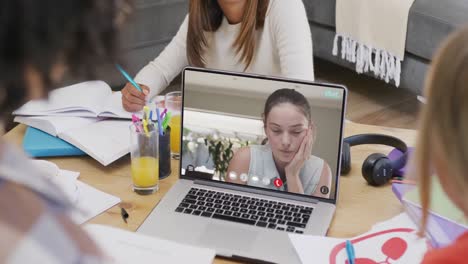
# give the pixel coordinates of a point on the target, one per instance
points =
(286, 8)
(315, 160)
(454, 254)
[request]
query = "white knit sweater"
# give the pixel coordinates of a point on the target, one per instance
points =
(284, 48)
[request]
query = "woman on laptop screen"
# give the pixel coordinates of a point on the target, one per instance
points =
(284, 162)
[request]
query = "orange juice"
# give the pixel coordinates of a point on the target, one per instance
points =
(174, 123)
(145, 171)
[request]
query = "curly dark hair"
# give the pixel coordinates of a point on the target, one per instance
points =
(39, 34)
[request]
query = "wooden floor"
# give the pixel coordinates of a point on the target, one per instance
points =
(371, 101)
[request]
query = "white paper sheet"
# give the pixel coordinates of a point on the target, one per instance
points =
(394, 241)
(105, 141)
(127, 247)
(91, 202)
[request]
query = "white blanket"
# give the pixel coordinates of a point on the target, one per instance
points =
(373, 35)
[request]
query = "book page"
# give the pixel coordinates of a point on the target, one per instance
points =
(122, 246)
(105, 141)
(82, 99)
(113, 108)
(55, 125)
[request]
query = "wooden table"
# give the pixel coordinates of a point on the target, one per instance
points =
(359, 205)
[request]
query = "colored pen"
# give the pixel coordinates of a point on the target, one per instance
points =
(147, 113)
(159, 122)
(129, 79)
(135, 121)
(166, 120)
(163, 113)
(350, 251)
(145, 127)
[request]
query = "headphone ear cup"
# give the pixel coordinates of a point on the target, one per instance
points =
(377, 169)
(345, 159)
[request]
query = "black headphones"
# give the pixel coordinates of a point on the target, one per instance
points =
(377, 168)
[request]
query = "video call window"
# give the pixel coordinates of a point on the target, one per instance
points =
(269, 134)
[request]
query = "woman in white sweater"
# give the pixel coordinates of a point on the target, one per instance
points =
(270, 37)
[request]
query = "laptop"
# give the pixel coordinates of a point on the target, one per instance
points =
(242, 216)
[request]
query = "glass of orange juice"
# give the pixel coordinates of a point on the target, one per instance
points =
(173, 103)
(144, 153)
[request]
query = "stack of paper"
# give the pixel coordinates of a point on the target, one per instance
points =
(75, 114)
(88, 201)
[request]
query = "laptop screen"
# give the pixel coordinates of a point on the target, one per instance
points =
(262, 132)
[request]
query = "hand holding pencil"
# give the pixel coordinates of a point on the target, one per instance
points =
(133, 94)
(132, 99)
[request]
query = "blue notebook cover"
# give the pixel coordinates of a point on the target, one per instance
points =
(40, 144)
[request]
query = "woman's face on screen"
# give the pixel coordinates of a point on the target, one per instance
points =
(285, 128)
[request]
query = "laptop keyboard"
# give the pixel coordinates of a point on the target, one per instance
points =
(246, 210)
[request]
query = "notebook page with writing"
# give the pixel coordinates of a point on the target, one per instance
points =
(105, 141)
(55, 125)
(122, 246)
(82, 99)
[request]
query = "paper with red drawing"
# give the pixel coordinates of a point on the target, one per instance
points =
(392, 241)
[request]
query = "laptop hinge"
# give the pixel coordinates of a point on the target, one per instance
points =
(257, 191)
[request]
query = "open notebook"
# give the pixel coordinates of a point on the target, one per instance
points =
(104, 140)
(87, 99)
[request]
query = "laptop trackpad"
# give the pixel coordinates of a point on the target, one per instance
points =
(224, 236)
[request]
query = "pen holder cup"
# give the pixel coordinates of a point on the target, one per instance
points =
(165, 154)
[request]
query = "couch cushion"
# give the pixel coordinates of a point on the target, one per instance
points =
(321, 11)
(154, 22)
(430, 21)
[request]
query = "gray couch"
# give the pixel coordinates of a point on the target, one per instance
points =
(430, 21)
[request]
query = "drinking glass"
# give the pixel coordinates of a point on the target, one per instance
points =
(144, 155)
(173, 103)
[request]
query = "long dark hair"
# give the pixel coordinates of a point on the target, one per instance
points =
(77, 34)
(287, 95)
(207, 16)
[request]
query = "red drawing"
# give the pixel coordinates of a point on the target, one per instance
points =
(278, 182)
(394, 248)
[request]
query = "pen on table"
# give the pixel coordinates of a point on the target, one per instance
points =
(124, 214)
(350, 251)
(129, 79)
